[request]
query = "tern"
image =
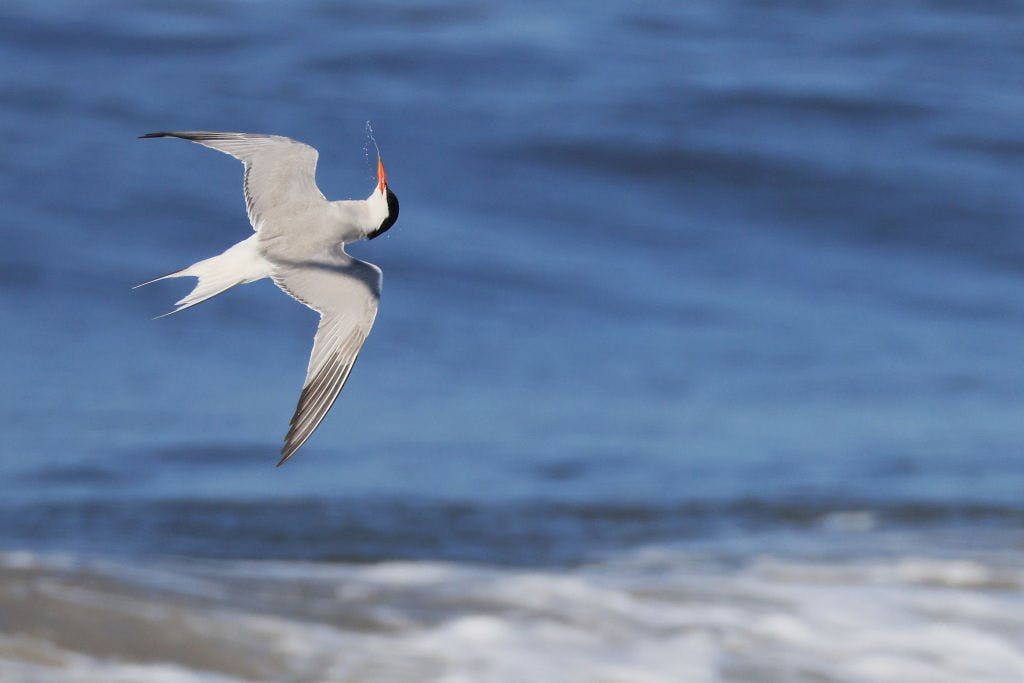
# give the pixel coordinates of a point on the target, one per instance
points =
(299, 244)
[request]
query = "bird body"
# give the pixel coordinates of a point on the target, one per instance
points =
(300, 244)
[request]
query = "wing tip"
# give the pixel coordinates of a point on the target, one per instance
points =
(293, 441)
(194, 135)
(290, 447)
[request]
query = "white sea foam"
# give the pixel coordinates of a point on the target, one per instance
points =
(650, 617)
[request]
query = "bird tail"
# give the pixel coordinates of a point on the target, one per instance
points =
(241, 263)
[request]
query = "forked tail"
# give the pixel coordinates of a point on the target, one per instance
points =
(241, 263)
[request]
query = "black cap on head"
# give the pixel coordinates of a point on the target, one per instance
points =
(390, 219)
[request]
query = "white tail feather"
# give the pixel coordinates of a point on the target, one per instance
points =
(241, 263)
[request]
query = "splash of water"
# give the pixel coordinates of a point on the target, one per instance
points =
(366, 145)
(370, 138)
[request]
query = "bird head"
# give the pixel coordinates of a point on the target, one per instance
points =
(384, 193)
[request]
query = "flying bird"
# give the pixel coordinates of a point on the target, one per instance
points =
(299, 244)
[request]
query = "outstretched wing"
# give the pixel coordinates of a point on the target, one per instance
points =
(345, 292)
(280, 173)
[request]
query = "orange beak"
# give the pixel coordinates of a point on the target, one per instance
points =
(382, 177)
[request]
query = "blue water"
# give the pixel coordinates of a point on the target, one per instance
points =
(665, 273)
(647, 257)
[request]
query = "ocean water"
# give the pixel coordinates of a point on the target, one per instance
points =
(700, 355)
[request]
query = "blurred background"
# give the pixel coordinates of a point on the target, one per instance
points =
(700, 355)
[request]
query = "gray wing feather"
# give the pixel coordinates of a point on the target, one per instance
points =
(280, 173)
(345, 293)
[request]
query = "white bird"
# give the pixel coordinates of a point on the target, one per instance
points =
(300, 244)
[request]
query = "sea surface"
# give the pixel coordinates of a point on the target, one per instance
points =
(700, 355)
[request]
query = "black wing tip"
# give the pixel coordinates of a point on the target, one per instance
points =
(202, 136)
(192, 134)
(292, 443)
(185, 135)
(290, 448)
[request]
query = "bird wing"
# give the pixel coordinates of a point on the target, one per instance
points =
(280, 173)
(345, 292)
